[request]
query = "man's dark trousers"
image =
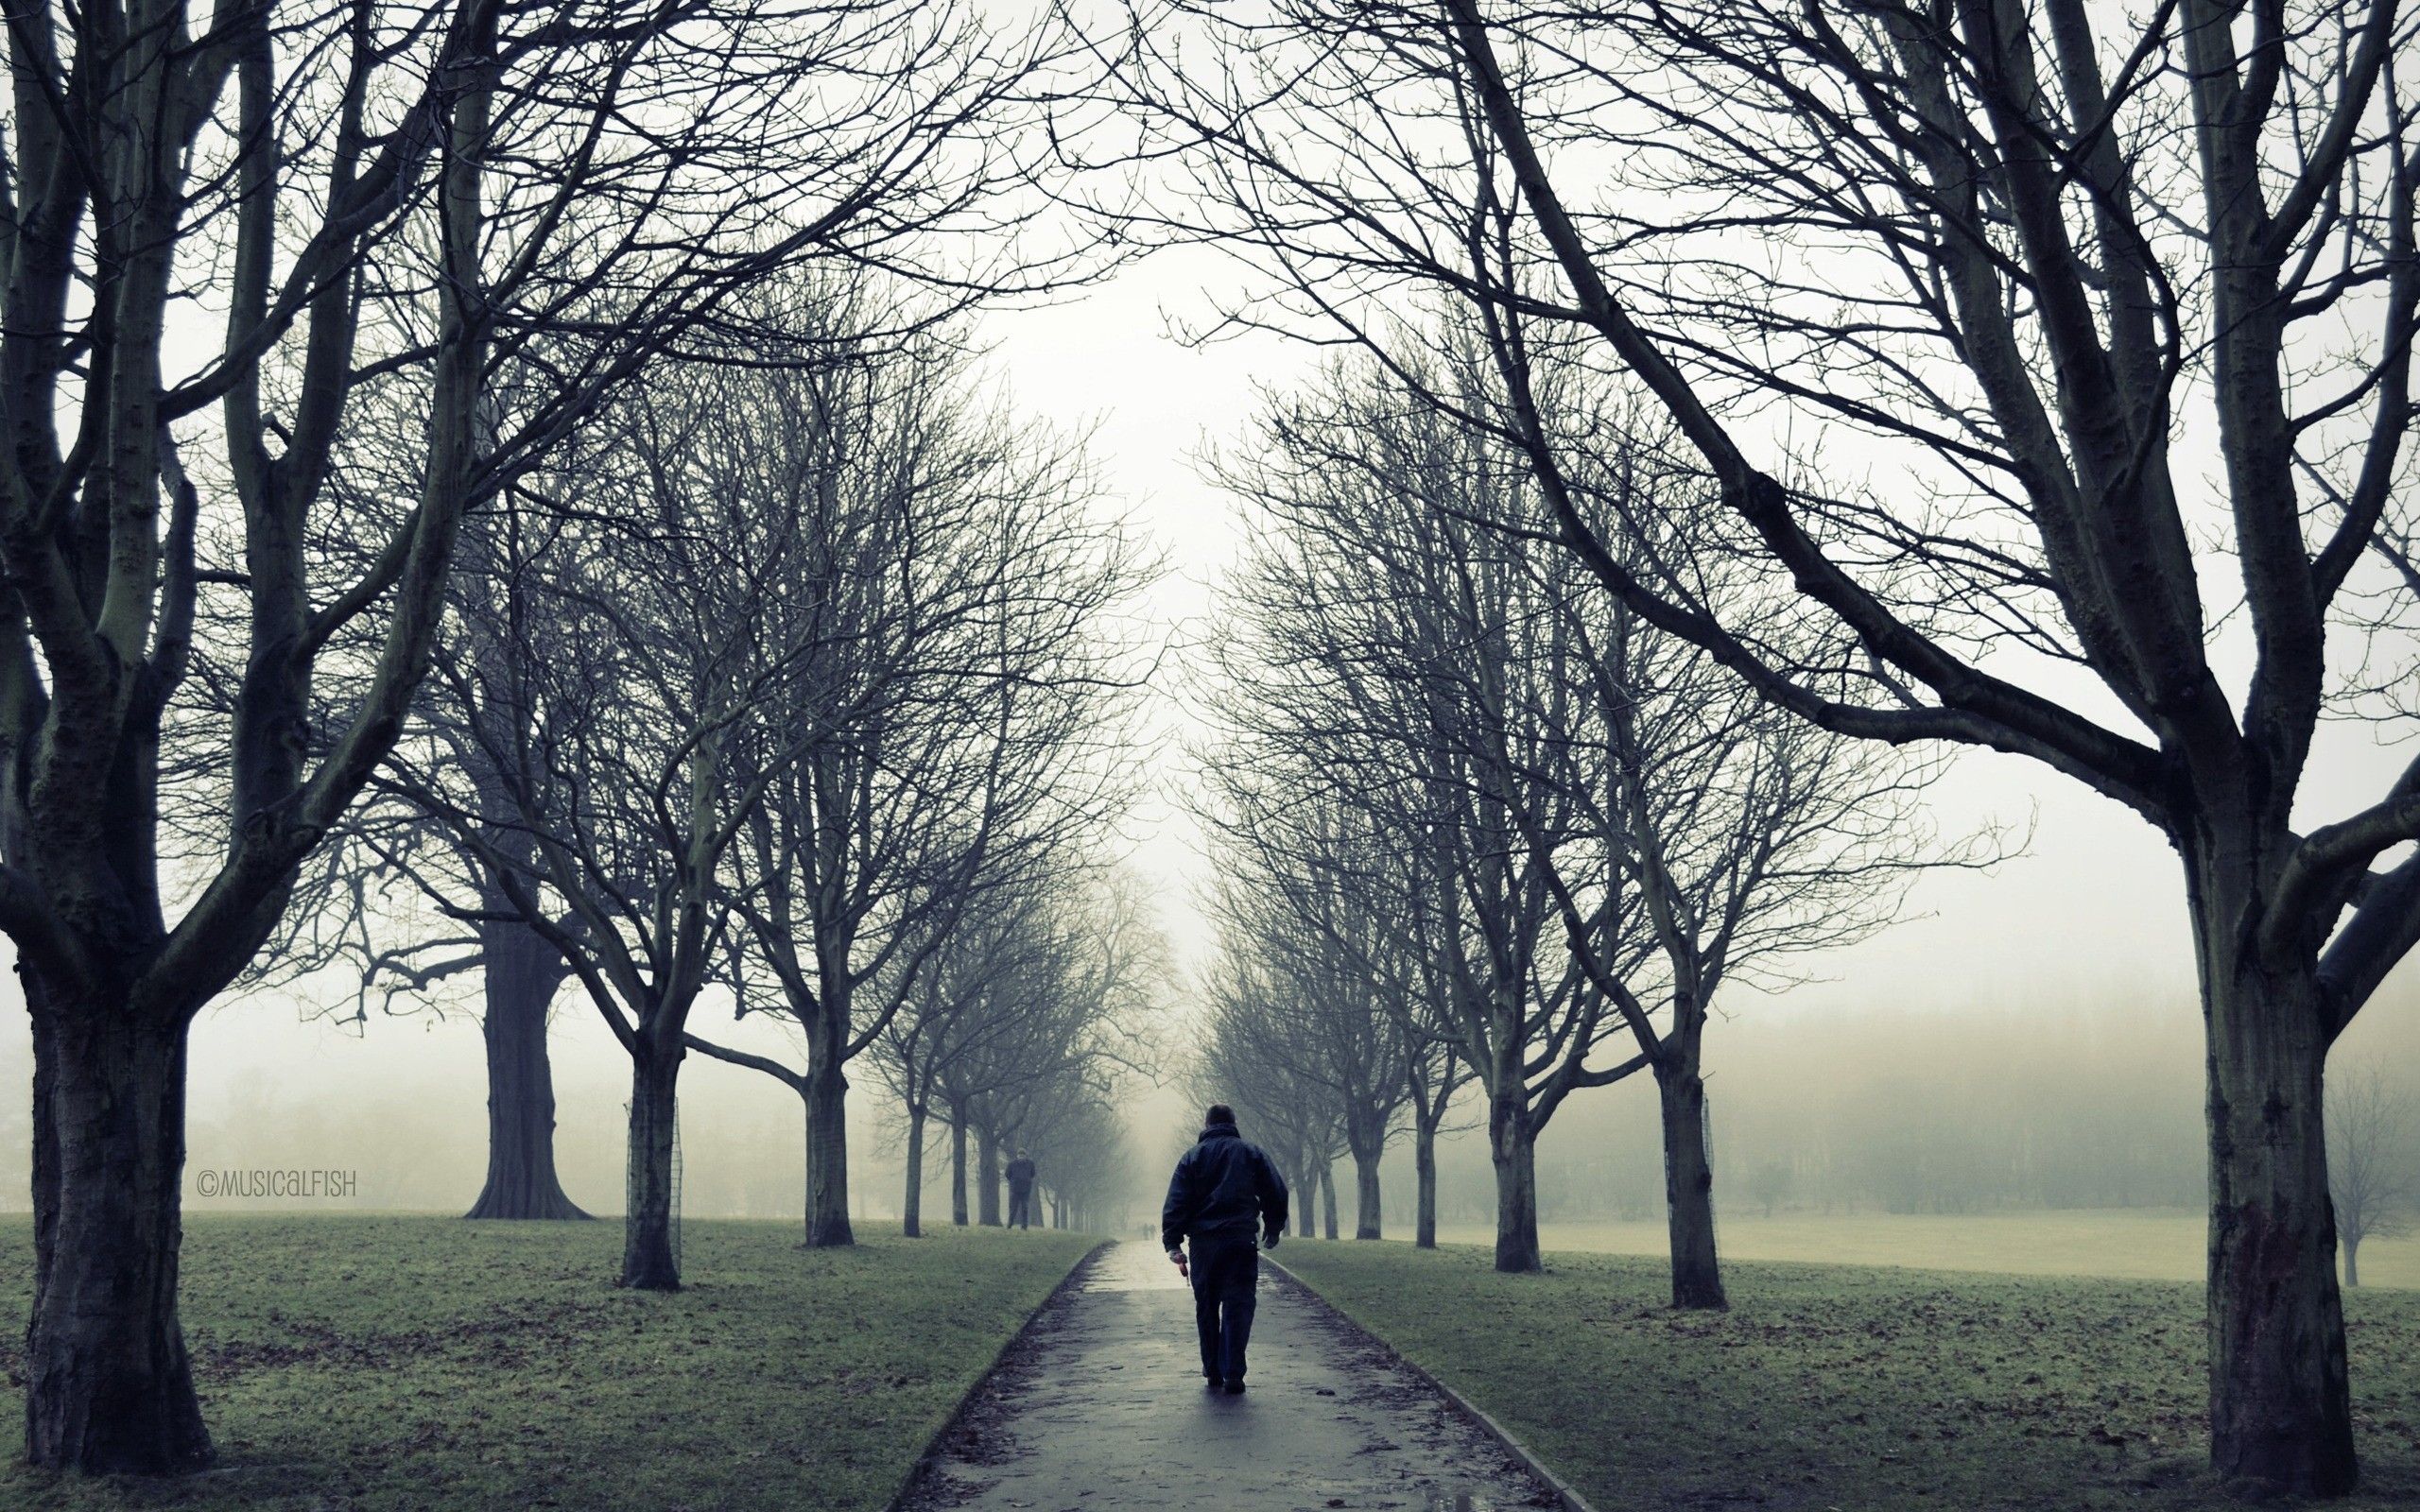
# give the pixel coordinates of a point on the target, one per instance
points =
(1020, 1207)
(1226, 1274)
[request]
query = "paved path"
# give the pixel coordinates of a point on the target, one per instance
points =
(1100, 1406)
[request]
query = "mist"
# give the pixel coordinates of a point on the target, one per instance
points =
(836, 705)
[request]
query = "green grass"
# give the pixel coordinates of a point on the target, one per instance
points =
(2139, 1243)
(1858, 1389)
(353, 1364)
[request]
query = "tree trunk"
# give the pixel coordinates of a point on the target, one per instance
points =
(827, 1152)
(522, 973)
(2352, 1261)
(2280, 1403)
(1307, 1199)
(1512, 1145)
(1368, 1216)
(987, 1150)
(1688, 1189)
(1424, 1162)
(958, 1169)
(911, 1202)
(648, 1262)
(109, 1388)
(1327, 1197)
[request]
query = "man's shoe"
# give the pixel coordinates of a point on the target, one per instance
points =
(1236, 1387)
(1212, 1382)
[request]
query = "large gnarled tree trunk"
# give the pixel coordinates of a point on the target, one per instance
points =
(523, 971)
(109, 1388)
(958, 1167)
(2280, 1397)
(1368, 1213)
(110, 990)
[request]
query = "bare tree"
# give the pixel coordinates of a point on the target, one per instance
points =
(963, 1009)
(615, 796)
(1326, 1012)
(393, 902)
(1686, 831)
(2370, 1172)
(1085, 1162)
(1243, 1059)
(1433, 1073)
(1522, 1019)
(369, 196)
(2009, 257)
(1065, 1003)
(1063, 1023)
(1432, 683)
(1402, 890)
(1750, 838)
(1770, 1184)
(959, 728)
(1358, 907)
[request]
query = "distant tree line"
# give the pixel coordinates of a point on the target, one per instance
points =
(1017, 1037)
(1956, 1109)
(1962, 1109)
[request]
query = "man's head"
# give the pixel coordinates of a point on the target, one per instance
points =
(1219, 1113)
(1020, 1154)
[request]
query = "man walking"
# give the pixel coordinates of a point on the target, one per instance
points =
(1021, 1191)
(1224, 1194)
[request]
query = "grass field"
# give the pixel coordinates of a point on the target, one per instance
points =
(1852, 1388)
(353, 1364)
(2138, 1244)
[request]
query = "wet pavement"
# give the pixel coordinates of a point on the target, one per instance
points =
(1100, 1405)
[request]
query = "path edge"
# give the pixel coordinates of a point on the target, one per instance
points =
(1572, 1499)
(917, 1472)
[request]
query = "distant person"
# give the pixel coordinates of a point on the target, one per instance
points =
(1021, 1191)
(1224, 1194)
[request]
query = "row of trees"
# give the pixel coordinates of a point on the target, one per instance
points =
(1865, 350)
(778, 670)
(1031, 1013)
(1904, 1111)
(2047, 369)
(1480, 821)
(1849, 1112)
(344, 342)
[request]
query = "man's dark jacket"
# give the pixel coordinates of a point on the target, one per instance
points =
(1224, 1188)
